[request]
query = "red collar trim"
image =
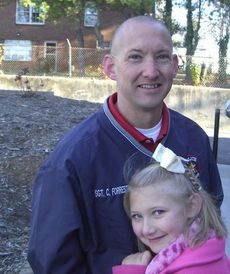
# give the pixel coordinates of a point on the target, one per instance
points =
(132, 130)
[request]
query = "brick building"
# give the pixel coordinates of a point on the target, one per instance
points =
(26, 38)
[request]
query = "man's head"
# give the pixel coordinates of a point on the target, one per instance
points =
(121, 30)
(142, 63)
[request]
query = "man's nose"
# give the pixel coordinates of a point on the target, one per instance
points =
(150, 69)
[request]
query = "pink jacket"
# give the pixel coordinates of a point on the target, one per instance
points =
(209, 258)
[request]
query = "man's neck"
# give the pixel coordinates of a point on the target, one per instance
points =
(141, 118)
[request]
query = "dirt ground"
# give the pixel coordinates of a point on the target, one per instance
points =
(29, 129)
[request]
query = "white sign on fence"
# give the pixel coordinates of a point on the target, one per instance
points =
(17, 50)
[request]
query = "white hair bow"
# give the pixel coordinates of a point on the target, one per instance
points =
(168, 159)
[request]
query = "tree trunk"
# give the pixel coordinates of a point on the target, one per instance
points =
(100, 37)
(192, 35)
(190, 31)
(154, 9)
(168, 14)
(223, 48)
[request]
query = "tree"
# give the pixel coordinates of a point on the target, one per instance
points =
(193, 25)
(167, 15)
(55, 9)
(220, 18)
(163, 11)
(192, 32)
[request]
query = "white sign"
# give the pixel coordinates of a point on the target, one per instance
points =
(91, 15)
(17, 50)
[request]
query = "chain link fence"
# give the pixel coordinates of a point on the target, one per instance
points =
(204, 71)
(69, 61)
(52, 61)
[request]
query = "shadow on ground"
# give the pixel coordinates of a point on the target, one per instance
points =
(223, 150)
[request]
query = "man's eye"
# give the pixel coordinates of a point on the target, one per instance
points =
(163, 59)
(163, 56)
(135, 57)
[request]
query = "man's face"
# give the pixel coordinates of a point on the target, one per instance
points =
(143, 66)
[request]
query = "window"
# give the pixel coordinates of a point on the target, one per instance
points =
(27, 15)
(17, 50)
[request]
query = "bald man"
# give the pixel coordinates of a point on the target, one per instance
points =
(78, 221)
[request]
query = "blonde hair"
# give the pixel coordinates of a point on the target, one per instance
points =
(186, 185)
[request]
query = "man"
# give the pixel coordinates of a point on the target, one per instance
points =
(78, 222)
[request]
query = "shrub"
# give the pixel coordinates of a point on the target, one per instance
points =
(195, 73)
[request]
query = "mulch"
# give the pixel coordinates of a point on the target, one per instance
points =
(30, 126)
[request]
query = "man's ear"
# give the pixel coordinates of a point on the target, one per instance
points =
(108, 66)
(194, 205)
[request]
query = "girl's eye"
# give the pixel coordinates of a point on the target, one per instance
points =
(158, 212)
(136, 217)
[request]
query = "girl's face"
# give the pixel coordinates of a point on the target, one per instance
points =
(158, 215)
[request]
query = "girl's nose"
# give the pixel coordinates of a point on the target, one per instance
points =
(148, 227)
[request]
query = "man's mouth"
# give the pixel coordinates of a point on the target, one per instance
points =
(148, 86)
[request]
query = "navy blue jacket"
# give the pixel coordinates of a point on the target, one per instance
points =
(78, 222)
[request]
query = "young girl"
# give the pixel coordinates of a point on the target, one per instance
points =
(176, 222)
